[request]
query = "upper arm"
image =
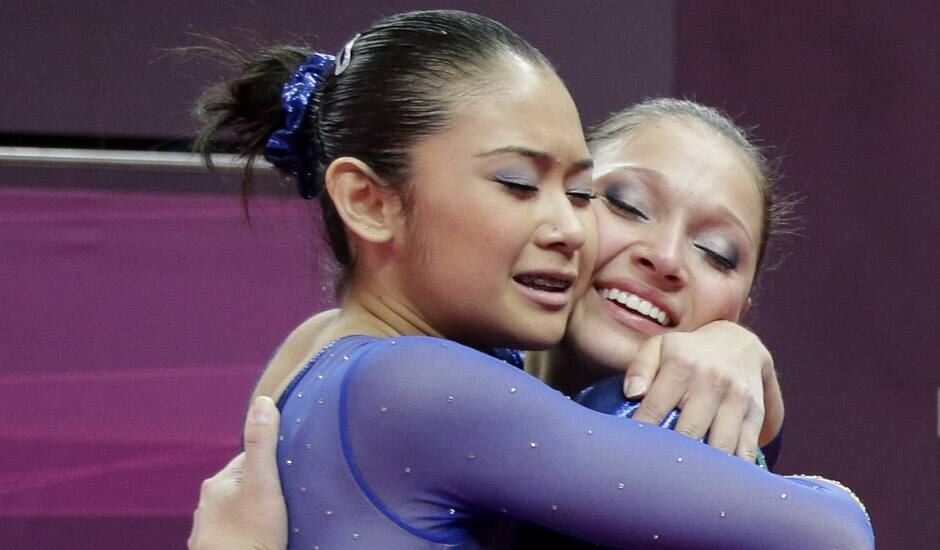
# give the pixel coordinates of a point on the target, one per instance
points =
(451, 426)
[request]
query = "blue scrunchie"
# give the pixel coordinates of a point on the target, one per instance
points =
(287, 148)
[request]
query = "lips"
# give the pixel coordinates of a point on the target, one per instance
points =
(545, 283)
(638, 305)
(551, 290)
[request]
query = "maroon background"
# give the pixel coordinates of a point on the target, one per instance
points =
(848, 93)
(138, 306)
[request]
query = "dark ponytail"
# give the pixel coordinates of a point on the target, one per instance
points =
(405, 75)
(238, 115)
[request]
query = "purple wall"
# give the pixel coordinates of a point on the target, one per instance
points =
(99, 68)
(847, 92)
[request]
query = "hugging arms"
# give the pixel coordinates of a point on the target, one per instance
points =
(520, 257)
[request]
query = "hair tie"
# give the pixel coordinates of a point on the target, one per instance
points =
(287, 148)
(344, 57)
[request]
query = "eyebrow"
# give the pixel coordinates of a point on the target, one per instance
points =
(539, 156)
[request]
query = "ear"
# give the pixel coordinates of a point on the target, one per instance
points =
(369, 210)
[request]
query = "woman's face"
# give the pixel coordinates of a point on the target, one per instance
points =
(500, 233)
(678, 230)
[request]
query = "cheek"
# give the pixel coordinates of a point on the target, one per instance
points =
(719, 298)
(588, 257)
(612, 236)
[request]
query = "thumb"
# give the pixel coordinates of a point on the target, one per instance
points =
(261, 428)
(642, 370)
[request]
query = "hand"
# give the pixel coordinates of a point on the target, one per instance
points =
(722, 378)
(241, 506)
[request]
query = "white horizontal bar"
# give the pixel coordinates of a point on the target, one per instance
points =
(46, 156)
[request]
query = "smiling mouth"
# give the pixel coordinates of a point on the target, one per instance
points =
(543, 283)
(637, 305)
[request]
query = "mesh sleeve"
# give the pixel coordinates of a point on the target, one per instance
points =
(442, 433)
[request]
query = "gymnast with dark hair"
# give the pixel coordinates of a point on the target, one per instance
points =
(456, 186)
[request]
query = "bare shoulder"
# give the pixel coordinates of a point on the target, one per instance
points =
(296, 350)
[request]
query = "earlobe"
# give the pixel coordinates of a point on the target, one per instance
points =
(369, 210)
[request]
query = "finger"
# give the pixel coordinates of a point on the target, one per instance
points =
(750, 434)
(643, 368)
(664, 394)
(261, 430)
(698, 413)
(194, 533)
(725, 431)
(234, 470)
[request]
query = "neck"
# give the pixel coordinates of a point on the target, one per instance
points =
(372, 310)
(564, 369)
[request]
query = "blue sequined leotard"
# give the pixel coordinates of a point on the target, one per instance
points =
(414, 442)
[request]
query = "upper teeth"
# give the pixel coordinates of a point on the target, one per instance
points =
(543, 281)
(634, 302)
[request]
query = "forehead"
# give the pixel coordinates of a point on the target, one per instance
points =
(518, 103)
(693, 163)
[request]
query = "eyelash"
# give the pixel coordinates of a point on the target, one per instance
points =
(585, 195)
(517, 185)
(724, 263)
(624, 206)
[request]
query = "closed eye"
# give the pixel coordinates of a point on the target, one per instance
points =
(517, 185)
(582, 196)
(721, 261)
(622, 207)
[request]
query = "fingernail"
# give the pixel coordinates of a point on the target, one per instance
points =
(636, 386)
(262, 412)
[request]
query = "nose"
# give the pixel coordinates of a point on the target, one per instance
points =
(562, 229)
(661, 258)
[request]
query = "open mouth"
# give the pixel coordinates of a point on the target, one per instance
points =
(636, 305)
(544, 283)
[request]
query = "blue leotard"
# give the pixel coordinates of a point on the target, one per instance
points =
(415, 442)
